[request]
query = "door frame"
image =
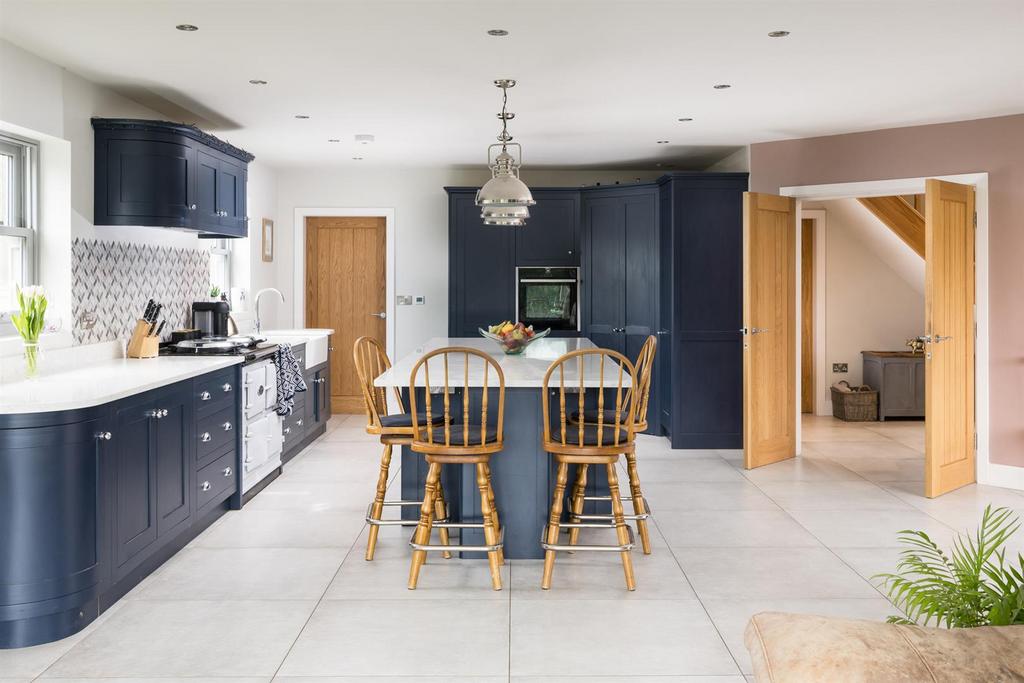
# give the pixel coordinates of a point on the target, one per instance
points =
(822, 399)
(299, 258)
(987, 472)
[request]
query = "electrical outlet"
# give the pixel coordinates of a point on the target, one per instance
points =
(419, 300)
(403, 300)
(840, 367)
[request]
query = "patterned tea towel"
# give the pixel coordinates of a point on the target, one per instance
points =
(289, 379)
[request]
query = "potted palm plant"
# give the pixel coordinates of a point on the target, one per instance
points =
(971, 585)
(29, 321)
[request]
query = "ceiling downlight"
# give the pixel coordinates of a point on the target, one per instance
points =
(778, 34)
(187, 27)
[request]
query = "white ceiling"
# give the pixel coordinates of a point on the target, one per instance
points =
(599, 81)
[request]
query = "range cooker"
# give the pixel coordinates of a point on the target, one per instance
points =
(262, 437)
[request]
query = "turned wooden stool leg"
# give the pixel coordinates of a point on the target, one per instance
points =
(494, 512)
(377, 510)
(639, 506)
(422, 536)
(620, 525)
(440, 512)
(553, 520)
(579, 490)
(490, 535)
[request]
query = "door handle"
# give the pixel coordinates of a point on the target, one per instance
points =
(664, 332)
(382, 315)
(758, 330)
(939, 339)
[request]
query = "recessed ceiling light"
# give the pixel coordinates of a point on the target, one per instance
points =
(662, 142)
(778, 34)
(333, 140)
(302, 116)
(186, 27)
(357, 158)
(364, 139)
(722, 86)
(685, 119)
(257, 81)
(497, 32)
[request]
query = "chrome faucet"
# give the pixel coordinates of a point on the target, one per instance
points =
(260, 293)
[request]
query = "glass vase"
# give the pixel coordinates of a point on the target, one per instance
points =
(33, 358)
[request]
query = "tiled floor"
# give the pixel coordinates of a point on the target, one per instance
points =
(281, 590)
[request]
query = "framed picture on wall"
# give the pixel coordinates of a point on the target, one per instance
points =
(268, 240)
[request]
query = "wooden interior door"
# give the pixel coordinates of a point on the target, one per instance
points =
(769, 320)
(807, 316)
(949, 333)
(345, 291)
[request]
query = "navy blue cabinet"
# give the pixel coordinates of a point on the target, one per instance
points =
(93, 500)
(702, 352)
(551, 235)
(155, 173)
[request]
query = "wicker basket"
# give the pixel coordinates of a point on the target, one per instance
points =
(859, 405)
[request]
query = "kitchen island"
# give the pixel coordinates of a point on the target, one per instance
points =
(522, 472)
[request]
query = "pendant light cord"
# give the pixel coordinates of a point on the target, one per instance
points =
(504, 137)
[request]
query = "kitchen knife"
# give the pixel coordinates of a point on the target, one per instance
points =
(153, 318)
(160, 328)
(149, 309)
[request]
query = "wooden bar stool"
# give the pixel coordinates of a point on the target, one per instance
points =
(641, 392)
(395, 429)
(470, 440)
(584, 444)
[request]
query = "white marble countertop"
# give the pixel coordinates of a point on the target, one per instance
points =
(522, 371)
(295, 335)
(103, 381)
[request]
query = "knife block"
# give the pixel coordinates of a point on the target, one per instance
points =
(141, 345)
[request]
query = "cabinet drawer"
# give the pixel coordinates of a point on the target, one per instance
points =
(300, 355)
(215, 391)
(215, 432)
(294, 426)
(216, 481)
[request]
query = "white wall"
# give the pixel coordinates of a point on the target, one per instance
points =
(870, 305)
(421, 230)
(249, 273)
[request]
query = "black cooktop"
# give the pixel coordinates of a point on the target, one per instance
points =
(251, 349)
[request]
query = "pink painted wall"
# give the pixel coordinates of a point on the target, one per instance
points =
(995, 146)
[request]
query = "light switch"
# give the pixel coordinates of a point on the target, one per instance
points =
(419, 300)
(403, 300)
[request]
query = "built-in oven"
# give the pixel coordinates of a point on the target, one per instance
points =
(548, 297)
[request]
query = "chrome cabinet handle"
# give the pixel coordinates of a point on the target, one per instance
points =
(227, 471)
(104, 436)
(298, 423)
(227, 426)
(164, 412)
(205, 396)
(152, 413)
(205, 437)
(206, 486)
(664, 332)
(226, 388)
(287, 430)
(320, 380)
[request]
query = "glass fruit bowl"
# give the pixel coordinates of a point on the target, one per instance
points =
(513, 338)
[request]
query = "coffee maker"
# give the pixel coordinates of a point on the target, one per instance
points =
(211, 318)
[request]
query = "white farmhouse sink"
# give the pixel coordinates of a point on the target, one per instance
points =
(314, 339)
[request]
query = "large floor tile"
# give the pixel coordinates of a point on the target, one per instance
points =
(831, 495)
(403, 638)
(244, 573)
(776, 573)
(599, 576)
(29, 662)
(738, 494)
(733, 528)
(615, 638)
(800, 469)
(628, 679)
(868, 528)
(165, 679)
(867, 449)
(314, 496)
(186, 639)
(731, 616)
(387, 576)
(884, 468)
(869, 562)
(283, 529)
(687, 469)
(392, 679)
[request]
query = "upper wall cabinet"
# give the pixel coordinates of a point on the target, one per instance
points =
(169, 175)
(551, 234)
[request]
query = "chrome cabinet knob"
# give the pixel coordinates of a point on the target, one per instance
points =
(287, 430)
(206, 486)
(298, 423)
(205, 437)
(227, 426)
(227, 471)
(104, 436)
(164, 412)
(152, 413)
(192, 207)
(205, 396)
(226, 387)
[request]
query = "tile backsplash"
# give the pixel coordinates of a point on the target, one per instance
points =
(111, 282)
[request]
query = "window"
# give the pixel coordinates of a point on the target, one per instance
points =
(220, 265)
(17, 218)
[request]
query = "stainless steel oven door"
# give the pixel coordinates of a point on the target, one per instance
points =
(548, 298)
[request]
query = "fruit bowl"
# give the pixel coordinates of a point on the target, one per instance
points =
(513, 338)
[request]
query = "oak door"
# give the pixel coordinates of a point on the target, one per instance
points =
(345, 291)
(949, 335)
(769, 320)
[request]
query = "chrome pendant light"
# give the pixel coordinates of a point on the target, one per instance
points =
(504, 199)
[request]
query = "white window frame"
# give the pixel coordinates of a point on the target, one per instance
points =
(26, 213)
(222, 247)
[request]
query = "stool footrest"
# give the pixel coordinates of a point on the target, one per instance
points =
(461, 548)
(628, 518)
(397, 522)
(624, 499)
(587, 548)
